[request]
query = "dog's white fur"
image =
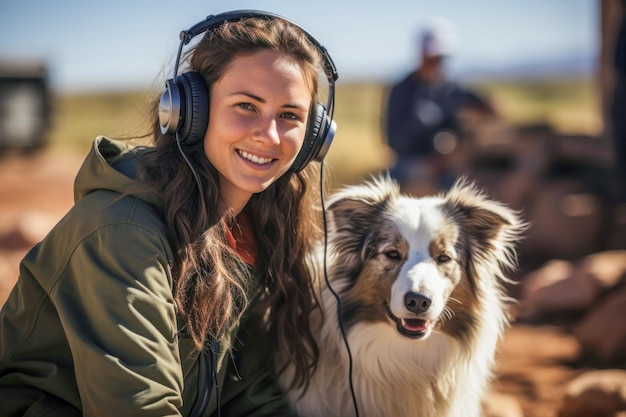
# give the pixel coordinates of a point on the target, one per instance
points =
(452, 249)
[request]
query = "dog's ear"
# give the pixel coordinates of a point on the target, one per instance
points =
(360, 205)
(484, 218)
(354, 210)
(490, 230)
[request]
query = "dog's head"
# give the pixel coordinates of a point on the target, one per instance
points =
(420, 264)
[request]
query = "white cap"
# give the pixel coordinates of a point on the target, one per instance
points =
(438, 39)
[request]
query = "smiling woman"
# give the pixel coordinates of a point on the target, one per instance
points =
(181, 266)
(259, 110)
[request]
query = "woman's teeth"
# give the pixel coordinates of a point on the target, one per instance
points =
(254, 158)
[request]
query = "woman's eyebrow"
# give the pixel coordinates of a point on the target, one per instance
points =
(248, 94)
(262, 100)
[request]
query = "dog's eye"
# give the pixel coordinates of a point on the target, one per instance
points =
(443, 258)
(393, 254)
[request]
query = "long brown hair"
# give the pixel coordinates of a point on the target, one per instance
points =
(212, 283)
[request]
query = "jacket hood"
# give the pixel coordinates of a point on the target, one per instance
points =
(110, 165)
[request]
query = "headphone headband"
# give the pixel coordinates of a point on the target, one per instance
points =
(215, 20)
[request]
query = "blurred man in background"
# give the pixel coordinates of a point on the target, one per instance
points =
(423, 116)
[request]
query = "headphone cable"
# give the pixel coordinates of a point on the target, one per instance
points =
(337, 298)
(186, 158)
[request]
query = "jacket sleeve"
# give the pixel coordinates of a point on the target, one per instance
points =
(115, 302)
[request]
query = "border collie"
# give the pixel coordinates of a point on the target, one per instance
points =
(423, 305)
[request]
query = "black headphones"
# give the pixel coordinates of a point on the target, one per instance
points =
(184, 105)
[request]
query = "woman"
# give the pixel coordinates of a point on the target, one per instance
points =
(180, 269)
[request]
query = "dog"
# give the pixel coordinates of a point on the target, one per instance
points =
(421, 284)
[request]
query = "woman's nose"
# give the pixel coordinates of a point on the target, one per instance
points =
(267, 131)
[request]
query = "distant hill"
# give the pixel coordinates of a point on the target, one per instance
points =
(575, 65)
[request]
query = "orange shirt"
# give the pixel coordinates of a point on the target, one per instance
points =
(242, 239)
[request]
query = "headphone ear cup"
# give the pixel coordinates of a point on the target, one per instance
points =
(195, 111)
(315, 137)
(169, 108)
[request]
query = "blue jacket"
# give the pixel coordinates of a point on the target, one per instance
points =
(417, 111)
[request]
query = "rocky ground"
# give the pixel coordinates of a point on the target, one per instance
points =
(535, 362)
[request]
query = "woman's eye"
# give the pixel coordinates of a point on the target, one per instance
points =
(443, 258)
(393, 254)
(289, 115)
(245, 106)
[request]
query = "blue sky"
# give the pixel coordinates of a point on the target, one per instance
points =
(118, 44)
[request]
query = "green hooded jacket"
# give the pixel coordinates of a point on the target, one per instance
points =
(90, 327)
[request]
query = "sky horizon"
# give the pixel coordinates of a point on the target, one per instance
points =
(132, 44)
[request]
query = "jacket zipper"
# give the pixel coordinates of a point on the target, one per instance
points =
(206, 381)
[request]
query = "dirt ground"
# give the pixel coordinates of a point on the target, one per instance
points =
(534, 363)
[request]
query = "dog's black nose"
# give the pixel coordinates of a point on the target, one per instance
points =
(417, 303)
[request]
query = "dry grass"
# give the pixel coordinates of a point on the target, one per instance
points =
(78, 119)
(570, 105)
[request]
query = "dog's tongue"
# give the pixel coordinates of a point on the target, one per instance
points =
(414, 325)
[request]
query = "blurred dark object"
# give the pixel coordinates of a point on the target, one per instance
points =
(612, 77)
(24, 105)
(618, 102)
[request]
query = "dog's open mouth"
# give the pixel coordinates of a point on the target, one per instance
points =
(412, 328)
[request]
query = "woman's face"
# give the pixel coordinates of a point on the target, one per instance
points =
(257, 121)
